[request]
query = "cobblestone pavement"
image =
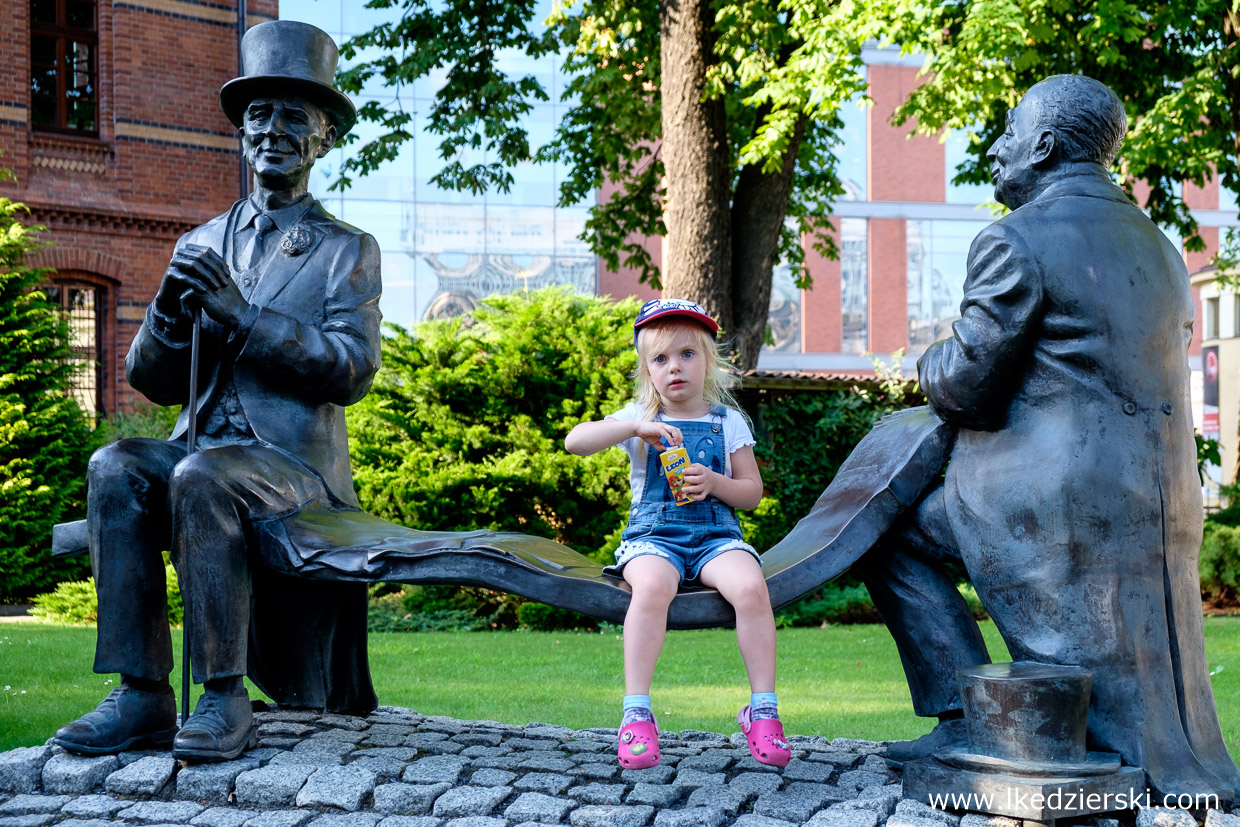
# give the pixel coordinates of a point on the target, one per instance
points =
(396, 768)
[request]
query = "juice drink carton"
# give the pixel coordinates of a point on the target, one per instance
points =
(674, 461)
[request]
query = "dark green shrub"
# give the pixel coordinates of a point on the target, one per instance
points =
(1219, 565)
(45, 438)
(75, 601)
(543, 618)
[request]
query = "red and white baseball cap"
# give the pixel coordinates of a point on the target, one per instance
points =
(667, 308)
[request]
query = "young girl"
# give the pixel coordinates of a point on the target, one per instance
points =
(682, 398)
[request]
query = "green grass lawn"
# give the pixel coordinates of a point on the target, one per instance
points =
(843, 681)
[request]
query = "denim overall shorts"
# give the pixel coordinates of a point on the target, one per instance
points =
(687, 536)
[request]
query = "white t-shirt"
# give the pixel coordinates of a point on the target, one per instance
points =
(736, 435)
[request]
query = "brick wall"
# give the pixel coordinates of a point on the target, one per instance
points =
(165, 159)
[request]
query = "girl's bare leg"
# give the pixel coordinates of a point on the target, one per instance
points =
(738, 578)
(654, 582)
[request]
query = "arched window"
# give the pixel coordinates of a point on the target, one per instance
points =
(81, 303)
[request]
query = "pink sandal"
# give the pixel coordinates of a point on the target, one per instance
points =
(639, 745)
(767, 743)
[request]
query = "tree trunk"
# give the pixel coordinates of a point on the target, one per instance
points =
(758, 212)
(698, 262)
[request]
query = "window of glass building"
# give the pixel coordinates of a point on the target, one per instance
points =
(443, 250)
(851, 150)
(80, 304)
(854, 285)
(956, 152)
(938, 253)
(63, 90)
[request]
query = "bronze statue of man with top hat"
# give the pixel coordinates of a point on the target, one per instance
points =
(287, 299)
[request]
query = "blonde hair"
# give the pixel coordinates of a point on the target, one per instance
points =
(720, 376)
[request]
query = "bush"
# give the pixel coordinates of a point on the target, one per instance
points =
(75, 602)
(1219, 565)
(543, 618)
(464, 427)
(45, 438)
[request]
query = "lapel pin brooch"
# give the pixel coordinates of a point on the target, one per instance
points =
(296, 241)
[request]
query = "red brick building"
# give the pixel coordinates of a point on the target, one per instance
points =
(110, 123)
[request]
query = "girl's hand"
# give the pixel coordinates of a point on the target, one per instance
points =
(659, 435)
(700, 481)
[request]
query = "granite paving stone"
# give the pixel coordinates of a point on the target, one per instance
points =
(693, 817)
(596, 734)
(884, 805)
(1163, 817)
(281, 818)
(492, 778)
(707, 763)
(278, 743)
(439, 723)
(484, 752)
(551, 783)
(418, 739)
(24, 805)
(800, 770)
(161, 812)
(66, 774)
(537, 807)
(499, 762)
(585, 746)
(903, 820)
(21, 769)
(32, 820)
(831, 817)
(596, 771)
(312, 759)
(858, 746)
(547, 764)
(750, 785)
(434, 769)
(349, 820)
(896, 790)
(787, 806)
(352, 722)
(751, 820)
(478, 739)
(346, 736)
(598, 793)
(717, 797)
(222, 817)
(698, 736)
(301, 716)
(146, 776)
(325, 746)
(289, 729)
(411, 821)
(212, 782)
(94, 806)
(541, 730)
(540, 744)
(840, 760)
(463, 802)
(697, 778)
(385, 769)
(824, 793)
(344, 787)
(476, 821)
(273, 785)
(1214, 818)
(909, 807)
(86, 822)
(440, 748)
(985, 820)
(656, 795)
(408, 799)
(623, 816)
(750, 764)
(661, 774)
(858, 779)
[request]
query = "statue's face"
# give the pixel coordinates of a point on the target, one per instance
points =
(1015, 156)
(283, 137)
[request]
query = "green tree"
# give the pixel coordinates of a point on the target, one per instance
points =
(464, 427)
(45, 439)
(1176, 66)
(716, 119)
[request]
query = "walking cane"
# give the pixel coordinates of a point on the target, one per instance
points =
(192, 439)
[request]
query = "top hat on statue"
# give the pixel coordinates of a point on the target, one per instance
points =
(282, 58)
(1027, 719)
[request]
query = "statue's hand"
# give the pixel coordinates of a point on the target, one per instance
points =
(205, 282)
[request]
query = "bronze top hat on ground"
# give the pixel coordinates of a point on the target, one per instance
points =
(1027, 719)
(281, 58)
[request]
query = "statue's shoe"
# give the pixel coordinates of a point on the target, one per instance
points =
(128, 718)
(946, 734)
(221, 728)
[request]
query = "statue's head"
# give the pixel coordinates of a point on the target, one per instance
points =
(288, 111)
(1062, 120)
